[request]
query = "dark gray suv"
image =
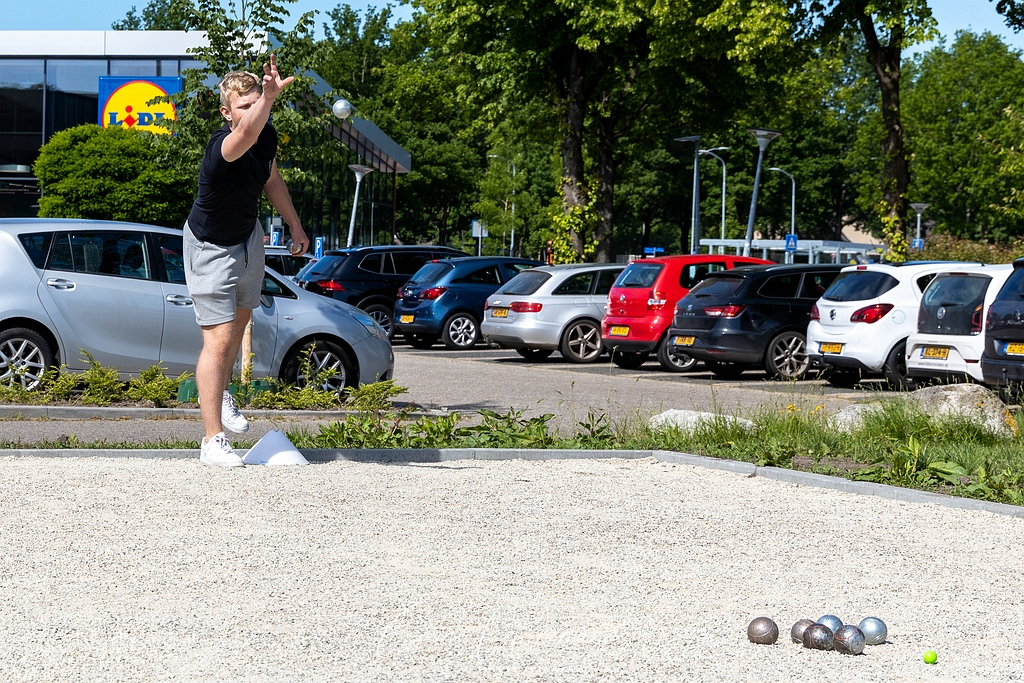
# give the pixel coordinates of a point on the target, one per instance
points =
(369, 277)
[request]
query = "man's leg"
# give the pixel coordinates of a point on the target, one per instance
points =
(213, 369)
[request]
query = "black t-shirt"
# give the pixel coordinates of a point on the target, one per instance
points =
(226, 210)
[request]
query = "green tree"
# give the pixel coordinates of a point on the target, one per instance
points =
(158, 15)
(111, 174)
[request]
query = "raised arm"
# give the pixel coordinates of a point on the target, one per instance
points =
(252, 111)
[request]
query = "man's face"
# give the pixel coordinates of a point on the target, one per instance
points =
(238, 105)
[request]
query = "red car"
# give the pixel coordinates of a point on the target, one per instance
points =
(642, 302)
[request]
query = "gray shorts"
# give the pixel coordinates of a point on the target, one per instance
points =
(222, 279)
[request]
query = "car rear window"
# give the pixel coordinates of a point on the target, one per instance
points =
(1013, 288)
(37, 245)
(956, 290)
(431, 272)
(527, 282)
(639, 275)
(860, 285)
(716, 287)
(325, 268)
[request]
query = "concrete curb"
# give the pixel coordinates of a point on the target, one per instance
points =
(103, 413)
(433, 455)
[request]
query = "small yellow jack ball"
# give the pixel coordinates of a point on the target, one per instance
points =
(930, 657)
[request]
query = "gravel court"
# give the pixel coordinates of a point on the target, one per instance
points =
(581, 570)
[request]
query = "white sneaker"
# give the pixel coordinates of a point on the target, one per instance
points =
(230, 417)
(217, 452)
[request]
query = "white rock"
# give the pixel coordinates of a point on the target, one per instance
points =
(691, 419)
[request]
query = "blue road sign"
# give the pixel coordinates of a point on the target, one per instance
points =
(790, 242)
(917, 244)
(318, 246)
(654, 250)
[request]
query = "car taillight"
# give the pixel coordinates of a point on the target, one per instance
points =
(525, 307)
(988, 319)
(976, 320)
(814, 312)
(332, 285)
(730, 311)
(656, 301)
(870, 314)
(432, 293)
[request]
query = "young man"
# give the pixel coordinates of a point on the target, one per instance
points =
(223, 244)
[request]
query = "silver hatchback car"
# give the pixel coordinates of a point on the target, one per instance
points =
(552, 308)
(117, 291)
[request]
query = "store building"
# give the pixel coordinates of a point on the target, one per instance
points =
(50, 81)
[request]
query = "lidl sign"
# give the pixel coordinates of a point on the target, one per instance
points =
(125, 101)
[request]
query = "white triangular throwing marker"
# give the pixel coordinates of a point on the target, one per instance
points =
(274, 449)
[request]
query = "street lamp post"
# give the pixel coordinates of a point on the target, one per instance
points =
(711, 153)
(360, 172)
(764, 137)
(695, 215)
(919, 208)
(512, 239)
(792, 207)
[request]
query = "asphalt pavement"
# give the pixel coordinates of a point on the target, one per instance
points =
(440, 381)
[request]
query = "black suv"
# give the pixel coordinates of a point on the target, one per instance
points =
(754, 315)
(369, 277)
(1002, 362)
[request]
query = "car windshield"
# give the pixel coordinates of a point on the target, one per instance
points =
(860, 285)
(431, 272)
(1013, 288)
(956, 290)
(527, 282)
(323, 268)
(716, 287)
(639, 275)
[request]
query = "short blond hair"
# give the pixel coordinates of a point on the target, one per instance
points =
(238, 82)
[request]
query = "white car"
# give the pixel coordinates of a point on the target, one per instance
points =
(861, 323)
(951, 322)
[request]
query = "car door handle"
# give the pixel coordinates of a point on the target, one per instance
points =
(178, 300)
(59, 283)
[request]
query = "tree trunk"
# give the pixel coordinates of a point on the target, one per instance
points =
(885, 60)
(574, 191)
(605, 188)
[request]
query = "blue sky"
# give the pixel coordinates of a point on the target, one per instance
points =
(952, 15)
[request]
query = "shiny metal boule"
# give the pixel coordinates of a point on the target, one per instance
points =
(832, 621)
(849, 640)
(874, 630)
(797, 632)
(342, 108)
(818, 637)
(762, 631)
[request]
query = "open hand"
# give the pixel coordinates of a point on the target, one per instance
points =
(273, 84)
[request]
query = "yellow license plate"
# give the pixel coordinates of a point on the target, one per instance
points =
(499, 313)
(936, 352)
(619, 330)
(1015, 349)
(406, 318)
(831, 347)
(683, 341)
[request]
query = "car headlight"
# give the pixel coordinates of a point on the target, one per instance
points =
(371, 326)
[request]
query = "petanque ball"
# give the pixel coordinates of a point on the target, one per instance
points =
(848, 640)
(832, 621)
(874, 630)
(797, 632)
(342, 109)
(818, 637)
(763, 631)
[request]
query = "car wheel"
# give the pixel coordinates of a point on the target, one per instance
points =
(724, 370)
(384, 316)
(420, 341)
(323, 356)
(674, 360)
(581, 342)
(24, 358)
(786, 357)
(896, 369)
(629, 360)
(842, 378)
(534, 354)
(460, 332)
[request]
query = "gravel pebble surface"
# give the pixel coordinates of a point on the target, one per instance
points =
(573, 570)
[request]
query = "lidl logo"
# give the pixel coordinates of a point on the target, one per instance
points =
(125, 102)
